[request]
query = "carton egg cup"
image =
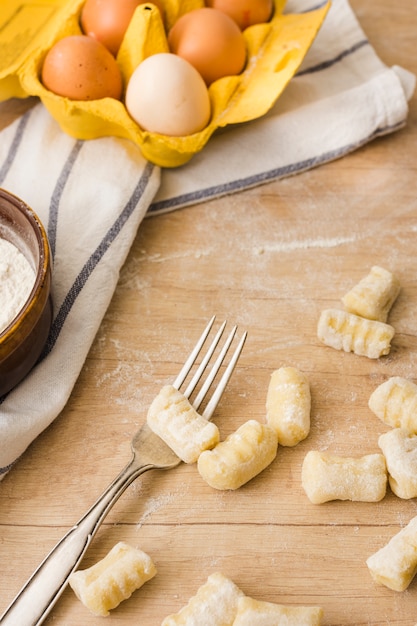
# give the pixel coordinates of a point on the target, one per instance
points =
(275, 52)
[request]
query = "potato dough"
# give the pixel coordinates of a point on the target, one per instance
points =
(327, 477)
(400, 451)
(344, 331)
(113, 579)
(374, 295)
(215, 604)
(395, 403)
(187, 433)
(288, 405)
(251, 612)
(395, 564)
(240, 457)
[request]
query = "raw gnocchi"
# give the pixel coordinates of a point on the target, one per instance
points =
(395, 403)
(215, 604)
(400, 451)
(251, 612)
(240, 457)
(326, 477)
(106, 584)
(187, 433)
(374, 295)
(395, 564)
(288, 405)
(345, 331)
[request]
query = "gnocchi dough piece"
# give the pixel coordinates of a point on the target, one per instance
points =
(251, 612)
(400, 451)
(327, 477)
(288, 405)
(374, 295)
(240, 457)
(395, 564)
(187, 433)
(395, 403)
(344, 331)
(106, 584)
(215, 604)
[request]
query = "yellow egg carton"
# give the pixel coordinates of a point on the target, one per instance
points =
(28, 29)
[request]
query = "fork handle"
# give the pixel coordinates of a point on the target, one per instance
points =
(40, 593)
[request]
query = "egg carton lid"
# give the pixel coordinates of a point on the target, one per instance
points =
(25, 26)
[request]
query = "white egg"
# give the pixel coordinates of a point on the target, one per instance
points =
(167, 95)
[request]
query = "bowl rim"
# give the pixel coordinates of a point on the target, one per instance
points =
(44, 263)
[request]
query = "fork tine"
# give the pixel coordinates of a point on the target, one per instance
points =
(193, 383)
(194, 353)
(199, 398)
(218, 392)
(214, 400)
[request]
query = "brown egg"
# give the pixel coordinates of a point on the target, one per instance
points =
(244, 12)
(81, 68)
(211, 41)
(107, 20)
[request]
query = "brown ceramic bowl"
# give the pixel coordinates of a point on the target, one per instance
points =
(22, 341)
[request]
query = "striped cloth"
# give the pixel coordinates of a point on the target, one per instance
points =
(91, 196)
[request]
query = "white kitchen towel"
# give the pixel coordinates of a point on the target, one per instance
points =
(342, 97)
(92, 195)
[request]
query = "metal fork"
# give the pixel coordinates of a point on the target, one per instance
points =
(37, 597)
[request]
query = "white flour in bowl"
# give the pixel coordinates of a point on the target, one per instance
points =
(16, 281)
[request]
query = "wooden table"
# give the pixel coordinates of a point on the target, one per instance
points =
(269, 259)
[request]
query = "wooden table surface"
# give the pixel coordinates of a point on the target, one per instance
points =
(269, 259)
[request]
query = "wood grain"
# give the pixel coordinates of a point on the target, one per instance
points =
(269, 259)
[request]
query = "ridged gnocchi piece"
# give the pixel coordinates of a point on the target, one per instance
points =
(399, 448)
(395, 564)
(106, 584)
(326, 477)
(215, 604)
(288, 405)
(251, 612)
(395, 403)
(374, 295)
(187, 433)
(344, 331)
(240, 457)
